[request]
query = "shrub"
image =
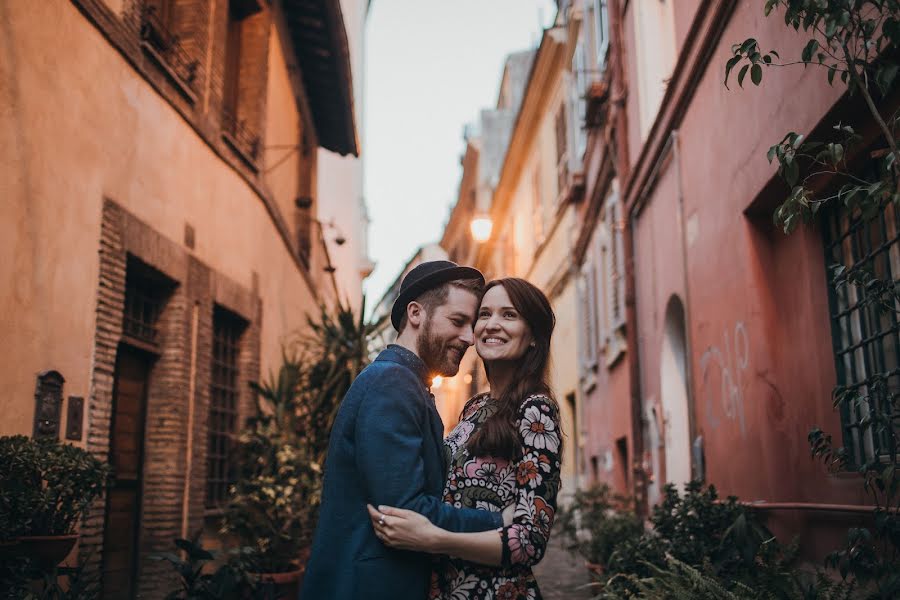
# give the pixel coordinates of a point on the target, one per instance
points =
(45, 486)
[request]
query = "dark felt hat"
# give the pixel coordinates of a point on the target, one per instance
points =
(424, 277)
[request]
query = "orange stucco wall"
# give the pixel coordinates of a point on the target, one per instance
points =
(78, 125)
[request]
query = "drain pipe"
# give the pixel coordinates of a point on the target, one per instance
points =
(639, 474)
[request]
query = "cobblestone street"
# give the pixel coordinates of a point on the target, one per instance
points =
(561, 575)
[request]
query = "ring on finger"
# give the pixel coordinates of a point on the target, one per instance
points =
(381, 521)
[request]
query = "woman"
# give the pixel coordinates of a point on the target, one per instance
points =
(505, 451)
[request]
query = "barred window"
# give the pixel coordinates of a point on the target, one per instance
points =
(866, 338)
(223, 405)
(172, 38)
(145, 293)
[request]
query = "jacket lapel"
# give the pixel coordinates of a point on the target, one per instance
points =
(437, 431)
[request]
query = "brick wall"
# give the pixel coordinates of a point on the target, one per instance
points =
(173, 504)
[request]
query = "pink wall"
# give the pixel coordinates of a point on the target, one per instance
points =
(756, 300)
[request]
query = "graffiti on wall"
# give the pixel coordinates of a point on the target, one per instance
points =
(722, 371)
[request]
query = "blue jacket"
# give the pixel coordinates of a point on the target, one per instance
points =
(386, 447)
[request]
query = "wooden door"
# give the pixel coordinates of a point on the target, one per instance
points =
(123, 507)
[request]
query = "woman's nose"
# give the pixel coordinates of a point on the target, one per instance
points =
(492, 324)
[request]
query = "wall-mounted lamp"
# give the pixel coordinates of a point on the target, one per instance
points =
(305, 203)
(481, 227)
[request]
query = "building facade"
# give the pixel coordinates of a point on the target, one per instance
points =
(729, 336)
(521, 178)
(160, 214)
(344, 225)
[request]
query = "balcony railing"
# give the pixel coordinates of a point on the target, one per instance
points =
(156, 34)
(243, 137)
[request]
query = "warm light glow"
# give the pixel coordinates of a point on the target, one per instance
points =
(481, 228)
(467, 378)
(436, 382)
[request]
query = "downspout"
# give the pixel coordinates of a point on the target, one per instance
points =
(639, 474)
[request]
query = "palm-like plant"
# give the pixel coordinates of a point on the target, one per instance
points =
(274, 505)
(335, 349)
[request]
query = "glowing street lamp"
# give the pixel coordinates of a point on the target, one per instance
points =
(481, 228)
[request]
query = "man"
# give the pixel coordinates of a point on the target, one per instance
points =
(386, 445)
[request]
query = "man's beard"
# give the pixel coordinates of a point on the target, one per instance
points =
(440, 357)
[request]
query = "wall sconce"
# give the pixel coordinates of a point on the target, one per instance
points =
(481, 227)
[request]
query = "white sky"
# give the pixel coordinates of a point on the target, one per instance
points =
(432, 65)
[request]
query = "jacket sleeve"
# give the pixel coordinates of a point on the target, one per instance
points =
(390, 431)
(537, 483)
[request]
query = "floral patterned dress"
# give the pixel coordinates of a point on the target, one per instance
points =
(489, 483)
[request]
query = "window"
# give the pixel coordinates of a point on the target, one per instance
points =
(600, 30)
(145, 293)
(562, 151)
(654, 58)
(243, 86)
(602, 289)
(577, 102)
(866, 340)
(223, 405)
(590, 342)
(159, 31)
(615, 267)
(157, 18)
(142, 308)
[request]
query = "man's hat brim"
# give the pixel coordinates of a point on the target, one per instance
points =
(427, 282)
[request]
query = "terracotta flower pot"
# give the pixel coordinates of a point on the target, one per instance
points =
(284, 585)
(46, 551)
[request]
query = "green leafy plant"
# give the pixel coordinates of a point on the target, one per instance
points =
(274, 503)
(597, 521)
(855, 41)
(45, 486)
(334, 350)
(20, 580)
(227, 582)
(722, 540)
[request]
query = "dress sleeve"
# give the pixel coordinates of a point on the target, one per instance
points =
(537, 483)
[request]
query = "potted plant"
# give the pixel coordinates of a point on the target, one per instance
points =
(198, 578)
(273, 505)
(45, 487)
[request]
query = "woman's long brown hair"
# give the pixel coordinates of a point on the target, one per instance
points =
(498, 436)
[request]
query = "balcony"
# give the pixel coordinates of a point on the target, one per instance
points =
(166, 50)
(242, 138)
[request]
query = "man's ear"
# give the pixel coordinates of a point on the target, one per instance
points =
(415, 314)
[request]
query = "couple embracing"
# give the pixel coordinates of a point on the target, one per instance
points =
(406, 515)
